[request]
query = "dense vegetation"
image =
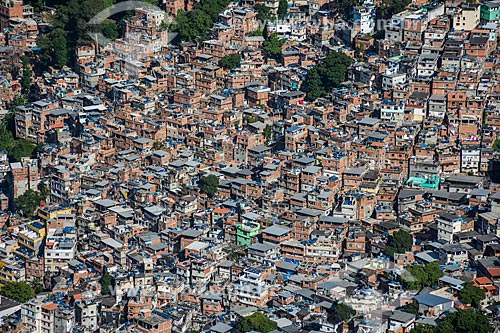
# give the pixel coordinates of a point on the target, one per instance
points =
(70, 23)
(399, 242)
(195, 24)
(258, 32)
(341, 312)
(345, 7)
(268, 132)
(496, 145)
(328, 74)
(27, 76)
(264, 13)
(71, 28)
(18, 291)
(272, 45)
(257, 322)
(470, 294)
(29, 201)
(106, 283)
(282, 9)
(16, 149)
(391, 7)
(209, 185)
(416, 277)
(230, 61)
(462, 321)
(411, 308)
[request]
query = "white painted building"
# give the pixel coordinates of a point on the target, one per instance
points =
(365, 17)
(392, 111)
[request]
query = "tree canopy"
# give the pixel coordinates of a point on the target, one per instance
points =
(418, 276)
(22, 148)
(257, 322)
(341, 312)
(282, 9)
(250, 119)
(27, 76)
(263, 13)
(470, 294)
(230, 61)
(29, 201)
(345, 7)
(268, 132)
(462, 321)
(399, 242)
(496, 145)
(196, 23)
(37, 286)
(411, 308)
(17, 149)
(109, 29)
(391, 7)
(209, 185)
(328, 74)
(106, 282)
(70, 23)
(272, 45)
(258, 32)
(18, 291)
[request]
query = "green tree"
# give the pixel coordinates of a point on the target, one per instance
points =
(109, 29)
(326, 75)
(184, 189)
(106, 282)
(19, 100)
(268, 132)
(263, 13)
(272, 45)
(314, 85)
(37, 286)
(29, 201)
(6, 137)
(282, 9)
(21, 148)
(157, 145)
(257, 322)
(379, 34)
(44, 55)
(230, 61)
(209, 185)
(250, 119)
(53, 48)
(411, 308)
(195, 24)
(44, 191)
(418, 276)
(391, 7)
(342, 312)
(18, 291)
(71, 28)
(345, 7)
(362, 48)
(399, 242)
(433, 274)
(60, 50)
(255, 33)
(496, 145)
(464, 321)
(27, 76)
(423, 329)
(470, 294)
